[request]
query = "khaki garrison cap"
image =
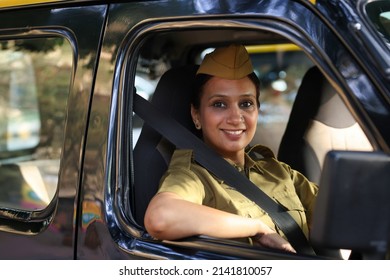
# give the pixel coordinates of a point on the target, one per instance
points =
(232, 63)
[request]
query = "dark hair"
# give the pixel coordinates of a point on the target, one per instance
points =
(202, 79)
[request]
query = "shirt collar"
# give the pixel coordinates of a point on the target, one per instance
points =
(249, 164)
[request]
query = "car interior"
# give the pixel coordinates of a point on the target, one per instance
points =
(308, 120)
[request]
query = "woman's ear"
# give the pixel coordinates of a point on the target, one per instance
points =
(195, 117)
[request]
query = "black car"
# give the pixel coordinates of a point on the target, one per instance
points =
(79, 164)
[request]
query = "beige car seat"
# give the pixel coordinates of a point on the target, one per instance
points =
(319, 122)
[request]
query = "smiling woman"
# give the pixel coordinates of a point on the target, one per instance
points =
(192, 201)
(229, 117)
(225, 106)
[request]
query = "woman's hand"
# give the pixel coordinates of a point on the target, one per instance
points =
(273, 240)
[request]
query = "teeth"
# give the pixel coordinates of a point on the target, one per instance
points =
(233, 132)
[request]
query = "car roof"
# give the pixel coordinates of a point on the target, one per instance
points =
(23, 3)
(20, 3)
(17, 3)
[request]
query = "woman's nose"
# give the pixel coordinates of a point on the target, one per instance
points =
(235, 116)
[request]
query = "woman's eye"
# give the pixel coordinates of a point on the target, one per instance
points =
(246, 104)
(219, 104)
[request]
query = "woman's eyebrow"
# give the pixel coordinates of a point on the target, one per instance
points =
(248, 95)
(220, 95)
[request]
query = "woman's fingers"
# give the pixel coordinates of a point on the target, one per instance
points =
(274, 240)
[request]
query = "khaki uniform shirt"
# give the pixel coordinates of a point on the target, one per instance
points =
(286, 186)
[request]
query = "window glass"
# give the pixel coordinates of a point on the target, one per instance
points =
(35, 78)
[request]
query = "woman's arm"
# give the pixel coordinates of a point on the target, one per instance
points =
(171, 217)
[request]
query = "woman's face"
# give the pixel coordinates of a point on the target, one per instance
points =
(227, 115)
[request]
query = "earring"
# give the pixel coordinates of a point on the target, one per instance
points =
(197, 125)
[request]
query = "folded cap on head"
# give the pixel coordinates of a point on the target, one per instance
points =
(232, 62)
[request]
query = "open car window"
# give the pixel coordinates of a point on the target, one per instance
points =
(281, 66)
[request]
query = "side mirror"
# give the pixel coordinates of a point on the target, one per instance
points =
(353, 204)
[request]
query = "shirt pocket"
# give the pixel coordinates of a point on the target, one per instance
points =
(291, 202)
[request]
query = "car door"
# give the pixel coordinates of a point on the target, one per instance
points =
(48, 56)
(111, 195)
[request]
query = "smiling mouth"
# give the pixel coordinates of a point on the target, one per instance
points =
(234, 132)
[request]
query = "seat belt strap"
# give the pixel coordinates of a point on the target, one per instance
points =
(177, 134)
